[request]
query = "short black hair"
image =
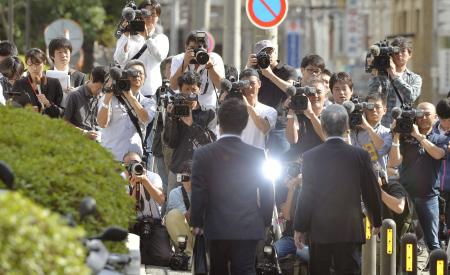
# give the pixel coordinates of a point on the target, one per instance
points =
(163, 64)
(231, 73)
(248, 72)
(11, 67)
(58, 43)
(314, 60)
(375, 96)
(8, 48)
(36, 56)
(189, 78)
(192, 37)
(186, 167)
(443, 108)
(402, 43)
(327, 72)
(233, 116)
(342, 77)
(153, 3)
(99, 73)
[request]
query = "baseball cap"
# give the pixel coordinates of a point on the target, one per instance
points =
(261, 45)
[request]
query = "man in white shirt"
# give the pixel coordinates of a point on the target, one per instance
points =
(262, 117)
(131, 46)
(210, 73)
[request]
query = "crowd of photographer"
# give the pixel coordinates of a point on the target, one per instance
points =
(153, 107)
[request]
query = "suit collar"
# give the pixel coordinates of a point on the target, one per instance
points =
(229, 136)
(335, 140)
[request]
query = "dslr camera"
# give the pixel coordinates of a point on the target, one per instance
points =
(380, 54)
(180, 260)
(134, 19)
(143, 227)
(201, 54)
(263, 59)
(299, 99)
(120, 81)
(181, 104)
(405, 117)
(135, 168)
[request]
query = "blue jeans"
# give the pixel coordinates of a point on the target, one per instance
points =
(277, 143)
(428, 213)
(286, 246)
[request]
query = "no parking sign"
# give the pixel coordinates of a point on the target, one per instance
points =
(266, 14)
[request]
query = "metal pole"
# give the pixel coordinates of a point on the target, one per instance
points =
(438, 262)
(408, 254)
(388, 252)
(369, 251)
(11, 20)
(27, 24)
(175, 22)
(232, 33)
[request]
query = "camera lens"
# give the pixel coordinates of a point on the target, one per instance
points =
(202, 57)
(263, 60)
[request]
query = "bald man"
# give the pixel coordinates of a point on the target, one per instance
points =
(418, 154)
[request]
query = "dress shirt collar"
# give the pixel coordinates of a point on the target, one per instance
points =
(229, 135)
(335, 137)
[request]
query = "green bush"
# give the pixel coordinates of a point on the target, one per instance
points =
(56, 167)
(35, 241)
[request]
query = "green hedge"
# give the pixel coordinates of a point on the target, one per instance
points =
(56, 167)
(35, 241)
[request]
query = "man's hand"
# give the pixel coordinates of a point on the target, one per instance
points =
(299, 239)
(197, 231)
(267, 72)
(246, 101)
(43, 100)
(188, 56)
(187, 215)
(169, 108)
(376, 230)
(252, 61)
(92, 135)
(294, 182)
(128, 94)
(365, 125)
(392, 70)
(416, 133)
(134, 179)
(309, 113)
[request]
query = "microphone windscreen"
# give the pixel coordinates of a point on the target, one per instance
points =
(374, 50)
(396, 112)
(291, 91)
(115, 73)
(225, 85)
(245, 83)
(128, 14)
(349, 106)
(145, 13)
(6, 175)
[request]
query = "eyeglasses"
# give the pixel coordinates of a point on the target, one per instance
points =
(34, 64)
(314, 71)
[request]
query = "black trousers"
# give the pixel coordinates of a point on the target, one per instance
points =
(155, 248)
(346, 258)
(239, 253)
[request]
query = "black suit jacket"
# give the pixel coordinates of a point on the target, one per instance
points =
(77, 78)
(24, 94)
(225, 177)
(335, 176)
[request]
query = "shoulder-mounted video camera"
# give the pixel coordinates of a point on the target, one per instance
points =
(134, 18)
(201, 54)
(405, 117)
(380, 54)
(299, 97)
(181, 104)
(120, 81)
(237, 88)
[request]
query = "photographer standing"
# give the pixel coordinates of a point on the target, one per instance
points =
(125, 117)
(262, 117)
(371, 135)
(210, 73)
(418, 154)
(304, 130)
(146, 188)
(185, 133)
(276, 78)
(149, 46)
(399, 85)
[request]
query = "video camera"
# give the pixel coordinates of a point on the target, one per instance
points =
(380, 54)
(405, 117)
(120, 81)
(355, 117)
(134, 19)
(201, 54)
(180, 260)
(181, 106)
(299, 99)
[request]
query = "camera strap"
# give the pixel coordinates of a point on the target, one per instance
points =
(185, 198)
(140, 52)
(135, 122)
(396, 91)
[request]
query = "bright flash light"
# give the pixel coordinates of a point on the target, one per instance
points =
(272, 169)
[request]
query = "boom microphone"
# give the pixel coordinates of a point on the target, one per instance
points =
(225, 85)
(291, 91)
(349, 106)
(396, 112)
(6, 175)
(374, 50)
(115, 73)
(128, 14)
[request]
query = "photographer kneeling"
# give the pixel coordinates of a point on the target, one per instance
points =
(186, 127)
(146, 188)
(178, 214)
(418, 151)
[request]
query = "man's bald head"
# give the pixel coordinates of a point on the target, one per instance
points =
(427, 107)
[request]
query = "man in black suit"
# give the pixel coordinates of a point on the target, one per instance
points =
(231, 199)
(335, 177)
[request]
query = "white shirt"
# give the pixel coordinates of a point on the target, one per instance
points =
(2, 98)
(151, 208)
(120, 136)
(208, 98)
(157, 50)
(253, 135)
